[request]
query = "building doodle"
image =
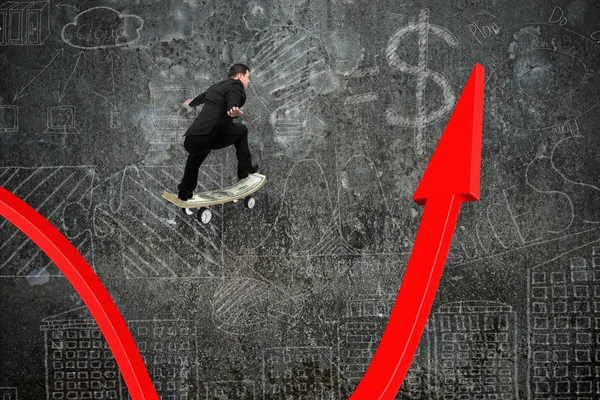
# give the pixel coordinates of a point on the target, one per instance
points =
(563, 317)
(298, 372)
(476, 347)
(79, 363)
(359, 333)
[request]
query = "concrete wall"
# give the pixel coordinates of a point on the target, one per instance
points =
(347, 101)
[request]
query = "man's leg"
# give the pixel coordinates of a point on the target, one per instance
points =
(237, 134)
(242, 153)
(197, 153)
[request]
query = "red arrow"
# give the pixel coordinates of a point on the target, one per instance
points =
(86, 283)
(451, 177)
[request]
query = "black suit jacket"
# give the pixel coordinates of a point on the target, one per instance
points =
(217, 100)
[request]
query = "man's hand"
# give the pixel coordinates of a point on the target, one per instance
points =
(187, 102)
(234, 112)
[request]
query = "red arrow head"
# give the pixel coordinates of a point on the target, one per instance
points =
(455, 165)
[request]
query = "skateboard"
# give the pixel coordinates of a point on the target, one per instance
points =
(243, 189)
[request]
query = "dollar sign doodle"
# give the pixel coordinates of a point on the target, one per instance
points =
(423, 28)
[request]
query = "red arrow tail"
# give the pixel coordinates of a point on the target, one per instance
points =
(411, 310)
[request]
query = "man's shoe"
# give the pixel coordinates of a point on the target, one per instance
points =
(242, 174)
(185, 194)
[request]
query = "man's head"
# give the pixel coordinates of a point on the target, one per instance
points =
(240, 72)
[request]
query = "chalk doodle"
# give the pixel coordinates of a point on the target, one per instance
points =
(50, 190)
(563, 299)
(9, 119)
(298, 372)
(140, 215)
(290, 66)
(534, 75)
(61, 120)
(359, 333)
(21, 92)
(24, 23)
(101, 28)
(423, 118)
(477, 349)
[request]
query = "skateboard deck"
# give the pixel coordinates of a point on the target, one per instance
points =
(240, 190)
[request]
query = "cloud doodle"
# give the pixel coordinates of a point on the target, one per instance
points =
(101, 28)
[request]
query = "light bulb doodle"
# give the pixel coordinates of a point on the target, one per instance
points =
(289, 67)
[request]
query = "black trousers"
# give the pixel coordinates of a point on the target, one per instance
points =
(224, 134)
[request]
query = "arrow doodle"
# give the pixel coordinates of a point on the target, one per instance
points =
(70, 76)
(452, 177)
(20, 94)
(154, 63)
(67, 5)
(112, 56)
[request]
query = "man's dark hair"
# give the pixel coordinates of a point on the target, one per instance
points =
(237, 69)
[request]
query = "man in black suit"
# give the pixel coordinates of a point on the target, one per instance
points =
(214, 128)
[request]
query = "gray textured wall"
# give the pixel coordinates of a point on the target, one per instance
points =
(348, 99)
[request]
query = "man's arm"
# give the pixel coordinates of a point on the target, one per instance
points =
(197, 101)
(234, 93)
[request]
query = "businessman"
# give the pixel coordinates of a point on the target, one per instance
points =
(214, 128)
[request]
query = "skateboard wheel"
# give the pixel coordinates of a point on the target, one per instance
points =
(187, 211)
(250, 202)
(204, 215)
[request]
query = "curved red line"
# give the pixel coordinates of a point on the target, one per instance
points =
(451, 177)
(88, 286)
